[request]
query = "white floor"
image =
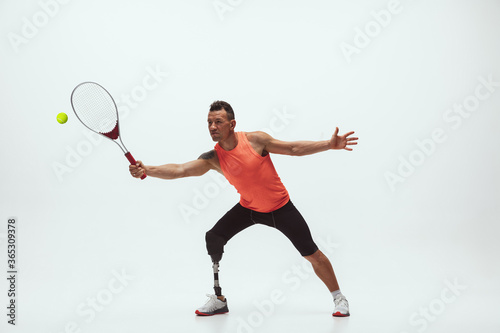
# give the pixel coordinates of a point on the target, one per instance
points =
(301, 315)
(258, 302)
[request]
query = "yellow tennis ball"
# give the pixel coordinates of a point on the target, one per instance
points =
(62, 118)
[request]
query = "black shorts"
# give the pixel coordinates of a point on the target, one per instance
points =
(286, 219)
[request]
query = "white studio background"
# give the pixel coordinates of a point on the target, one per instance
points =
(409, 219)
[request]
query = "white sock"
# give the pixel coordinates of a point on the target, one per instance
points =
(335, 293)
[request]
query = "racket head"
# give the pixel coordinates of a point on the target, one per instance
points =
(96, 109)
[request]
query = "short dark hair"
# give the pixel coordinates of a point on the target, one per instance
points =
(219, 105)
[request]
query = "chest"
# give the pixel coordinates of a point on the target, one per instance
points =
(242, 162)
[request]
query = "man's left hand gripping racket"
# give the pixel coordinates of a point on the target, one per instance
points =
(96, 109)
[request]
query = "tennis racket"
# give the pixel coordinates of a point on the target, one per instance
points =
(96, 109)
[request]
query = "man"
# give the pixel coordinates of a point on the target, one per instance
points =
(243, 158)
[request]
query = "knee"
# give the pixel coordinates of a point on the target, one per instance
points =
(215, 245)
(317, 258)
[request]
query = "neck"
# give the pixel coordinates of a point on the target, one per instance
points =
(230, 142)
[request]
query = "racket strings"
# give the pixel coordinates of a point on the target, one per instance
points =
(94, 107)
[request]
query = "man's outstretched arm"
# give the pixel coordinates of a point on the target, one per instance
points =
(300, 148)
(173, 171)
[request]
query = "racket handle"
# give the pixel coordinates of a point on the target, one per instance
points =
(132, 161)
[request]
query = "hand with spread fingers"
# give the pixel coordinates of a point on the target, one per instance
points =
(342, 141)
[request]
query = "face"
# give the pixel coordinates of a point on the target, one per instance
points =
(219, 126)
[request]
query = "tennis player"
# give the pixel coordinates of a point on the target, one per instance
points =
(244, 159)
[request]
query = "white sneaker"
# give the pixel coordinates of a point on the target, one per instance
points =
(212, 307)
(341, 306)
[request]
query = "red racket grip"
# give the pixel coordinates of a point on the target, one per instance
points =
(132, 161)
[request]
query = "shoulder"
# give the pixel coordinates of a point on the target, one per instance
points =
(208, 155)
(258, 137)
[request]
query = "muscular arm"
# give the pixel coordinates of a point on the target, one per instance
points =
(301, 148)
(296, 148)
(173, 171)
(265, 142)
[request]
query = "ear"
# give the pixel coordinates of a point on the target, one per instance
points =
(233, 124)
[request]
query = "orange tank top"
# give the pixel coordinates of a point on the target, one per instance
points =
(253, 176)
